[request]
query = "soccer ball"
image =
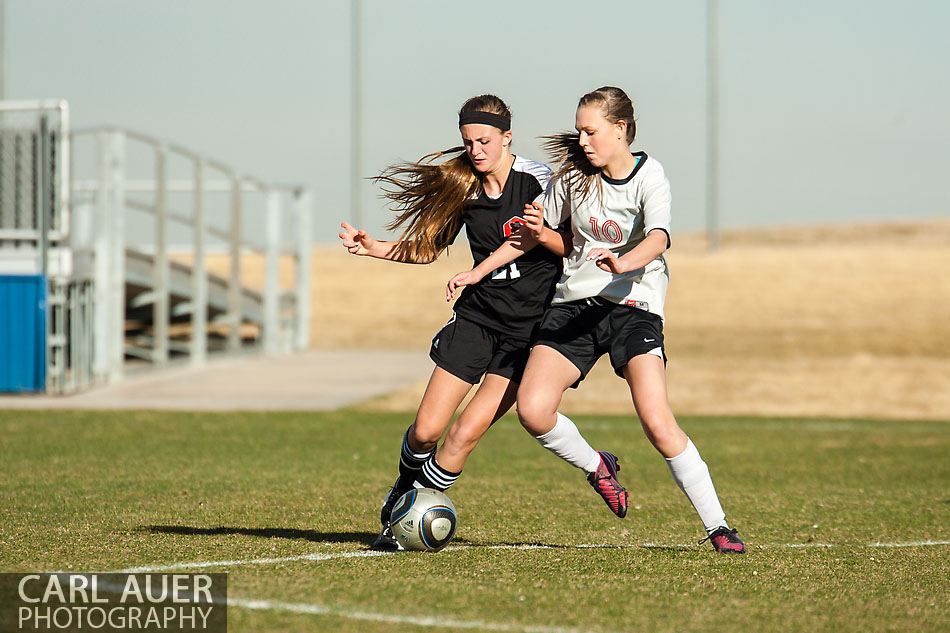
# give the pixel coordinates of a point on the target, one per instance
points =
(424, 520)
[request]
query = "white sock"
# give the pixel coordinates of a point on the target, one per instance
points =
(692, 476)
(565, 441)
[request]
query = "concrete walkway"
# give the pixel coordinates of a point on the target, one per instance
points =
(312, 380)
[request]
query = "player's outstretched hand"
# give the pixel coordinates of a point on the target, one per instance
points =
(534, 216)
(467, 278)
(606, 260)
(356, 241)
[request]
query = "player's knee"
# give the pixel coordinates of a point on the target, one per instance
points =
(463, 438)
(662, 430)
(424, 437)
(533, 412)
(525, 411)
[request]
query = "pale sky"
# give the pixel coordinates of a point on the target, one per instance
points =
(831, 110)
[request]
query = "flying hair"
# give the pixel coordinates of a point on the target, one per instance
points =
(429, 195)
(574, 169)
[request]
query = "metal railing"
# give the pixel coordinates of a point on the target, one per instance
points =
(253, 218)
(126, 247)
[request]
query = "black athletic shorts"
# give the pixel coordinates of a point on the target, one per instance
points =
(583, 331)
(468, 351)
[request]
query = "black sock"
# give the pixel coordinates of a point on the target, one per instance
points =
(410, 464)
(434, 476)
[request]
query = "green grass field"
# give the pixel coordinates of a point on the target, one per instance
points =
(847, 522)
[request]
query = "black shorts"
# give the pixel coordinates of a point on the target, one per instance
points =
(468, 351)
(583, 331)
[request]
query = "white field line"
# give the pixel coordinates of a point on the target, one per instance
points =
(316, 609)
(910, 544)
(250, 561)
(446, 623)
(370, 553)
(315, 556)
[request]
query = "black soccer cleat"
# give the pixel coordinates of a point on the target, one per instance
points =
(386, 542)
(389, 501)
(725, 541)
(604, 481)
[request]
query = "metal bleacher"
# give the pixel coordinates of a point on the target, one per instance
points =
(148, 252)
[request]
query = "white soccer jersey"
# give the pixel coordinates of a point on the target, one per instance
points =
(539, 170)
(621, 219)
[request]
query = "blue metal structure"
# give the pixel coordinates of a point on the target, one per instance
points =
(22, 333)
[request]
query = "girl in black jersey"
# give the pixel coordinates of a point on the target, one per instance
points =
(484, 188)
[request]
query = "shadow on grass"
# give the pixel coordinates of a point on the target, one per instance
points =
(367, 538)
(313, 536)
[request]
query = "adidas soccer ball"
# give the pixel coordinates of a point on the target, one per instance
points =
(424, 520)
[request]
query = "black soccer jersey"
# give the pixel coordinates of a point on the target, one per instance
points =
(513, 298)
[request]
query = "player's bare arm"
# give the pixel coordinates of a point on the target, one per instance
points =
(359, 242)
(558, 242)
(512, 248)
(524, 237)
(652, 246)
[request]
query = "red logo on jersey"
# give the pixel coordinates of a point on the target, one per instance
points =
(512, 223)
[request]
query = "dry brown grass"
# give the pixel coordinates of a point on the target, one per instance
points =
(826, 321)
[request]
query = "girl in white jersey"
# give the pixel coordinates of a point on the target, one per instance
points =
(610, 296)
(483, 187)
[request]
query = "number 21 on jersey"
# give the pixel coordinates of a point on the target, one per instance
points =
(507, 272)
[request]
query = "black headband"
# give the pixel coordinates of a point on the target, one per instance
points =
(503, 123)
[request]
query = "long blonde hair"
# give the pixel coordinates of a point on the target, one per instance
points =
(576, 171)
(428, 196)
